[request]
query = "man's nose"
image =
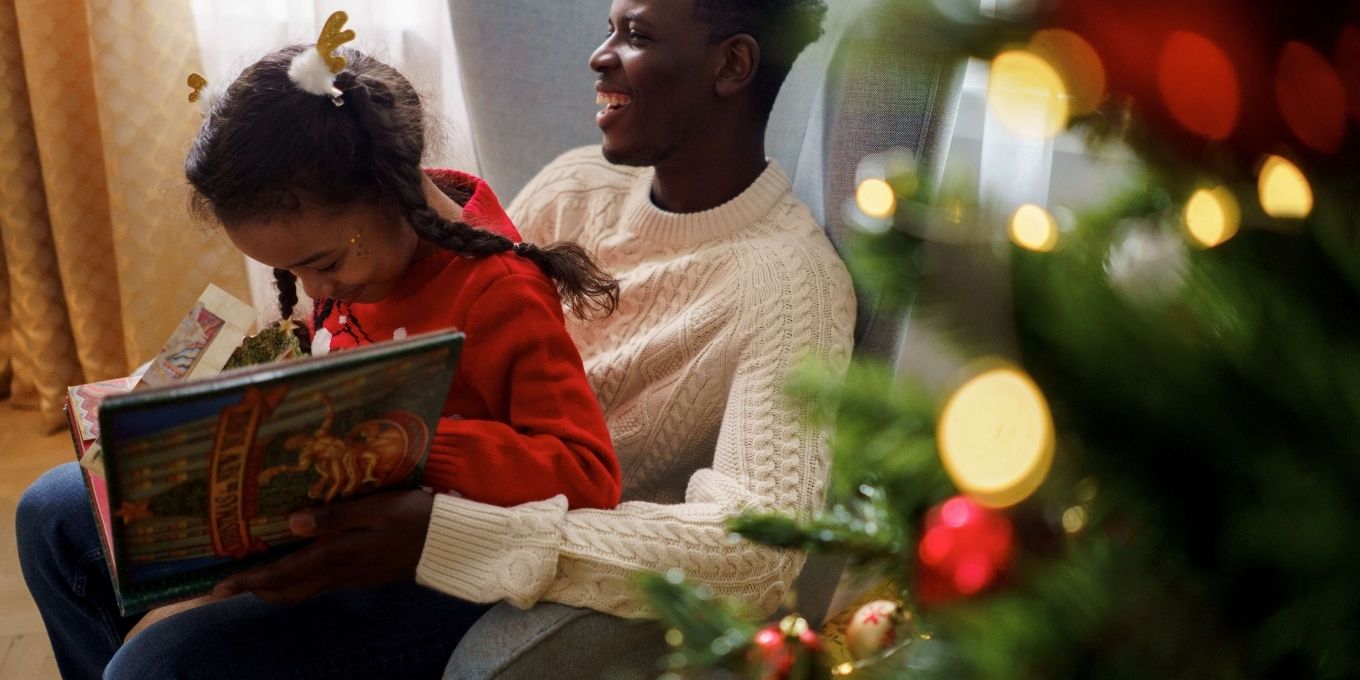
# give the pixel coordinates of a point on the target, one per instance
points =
(603, 57)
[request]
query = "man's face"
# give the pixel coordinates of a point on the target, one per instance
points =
(657, 69)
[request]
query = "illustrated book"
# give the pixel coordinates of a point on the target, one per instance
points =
(194, 480)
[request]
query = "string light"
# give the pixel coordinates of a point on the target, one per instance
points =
(1074, 519)
(876, 198)
(1034, 228)
(1027, 95)
(995, 436)
(1078, 64)
(1311, 97)
(1211, 216)
(1283, 189)
(1199, 85)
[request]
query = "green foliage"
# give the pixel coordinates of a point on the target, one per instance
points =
(707, 632)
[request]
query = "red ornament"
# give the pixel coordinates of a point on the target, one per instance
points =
(772, 653)
(964, 548)
(778, 648)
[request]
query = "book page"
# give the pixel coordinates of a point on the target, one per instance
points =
(203, 341)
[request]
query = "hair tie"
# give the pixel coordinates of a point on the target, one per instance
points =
(524, 249)
(314, 70)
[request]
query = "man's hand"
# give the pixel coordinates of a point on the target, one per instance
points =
(359, 544)
(166, 611)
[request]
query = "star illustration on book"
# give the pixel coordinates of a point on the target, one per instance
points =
(132, 511)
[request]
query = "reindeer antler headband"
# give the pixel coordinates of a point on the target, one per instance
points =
(201, 94)
(314, 70)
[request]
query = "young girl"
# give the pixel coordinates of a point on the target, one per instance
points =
(318, 175)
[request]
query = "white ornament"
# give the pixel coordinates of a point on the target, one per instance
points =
(1149, 264)
(874, 627)
(342, 319)
(321, 342)
(399, 334)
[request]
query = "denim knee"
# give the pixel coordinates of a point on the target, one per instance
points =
(53, 515)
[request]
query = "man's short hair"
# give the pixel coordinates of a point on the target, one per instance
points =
(782, 28)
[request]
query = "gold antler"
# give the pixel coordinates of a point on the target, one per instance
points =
(196, 83)
(331, 39)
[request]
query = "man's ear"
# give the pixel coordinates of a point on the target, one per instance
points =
(740, 58)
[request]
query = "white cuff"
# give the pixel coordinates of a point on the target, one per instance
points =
(486, 553)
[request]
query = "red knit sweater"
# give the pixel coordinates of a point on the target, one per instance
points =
(521, 423)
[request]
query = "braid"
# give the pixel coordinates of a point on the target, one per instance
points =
(288, 299)
(287, 285)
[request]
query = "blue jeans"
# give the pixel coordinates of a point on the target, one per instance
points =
(397, 631)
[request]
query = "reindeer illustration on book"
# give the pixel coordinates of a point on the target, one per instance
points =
(368, 456)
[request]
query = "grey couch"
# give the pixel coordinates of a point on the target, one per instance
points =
(530, 96)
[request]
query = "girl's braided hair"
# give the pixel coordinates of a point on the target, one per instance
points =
(266, 144)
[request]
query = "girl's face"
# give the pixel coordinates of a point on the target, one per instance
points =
(353, 253)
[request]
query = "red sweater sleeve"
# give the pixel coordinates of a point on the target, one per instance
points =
(545, 434)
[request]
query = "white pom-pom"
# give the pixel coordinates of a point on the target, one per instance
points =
(311, 73)
(399, 334)
(321, 342)
(207, 99)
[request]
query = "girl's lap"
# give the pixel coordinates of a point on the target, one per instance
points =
(400, 630)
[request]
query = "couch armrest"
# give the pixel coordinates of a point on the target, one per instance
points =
(556, 641)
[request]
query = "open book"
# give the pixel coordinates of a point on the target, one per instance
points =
(195, 478)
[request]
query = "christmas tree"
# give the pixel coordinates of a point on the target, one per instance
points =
(1164, 479)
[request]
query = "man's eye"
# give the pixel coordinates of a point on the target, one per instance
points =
(634, 36)
(330, 267)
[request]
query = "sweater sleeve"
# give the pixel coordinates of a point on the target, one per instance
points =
(546, 434)
(767, 457)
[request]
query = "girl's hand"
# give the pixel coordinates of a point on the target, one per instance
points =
(361, 543)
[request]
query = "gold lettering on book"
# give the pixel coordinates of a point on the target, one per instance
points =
(236, 428)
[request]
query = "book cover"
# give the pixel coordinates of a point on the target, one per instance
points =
(198, 477)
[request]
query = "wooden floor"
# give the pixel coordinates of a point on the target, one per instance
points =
(25, 453)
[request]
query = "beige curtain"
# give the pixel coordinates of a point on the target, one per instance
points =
(100, 258)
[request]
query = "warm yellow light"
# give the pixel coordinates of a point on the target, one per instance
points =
(1211, 216)
(844, 669)
(674, 637)
(1027, 95)
(995, 436)
(1034, 228)
(1077, 62)
(876, 199)
(1284, 190)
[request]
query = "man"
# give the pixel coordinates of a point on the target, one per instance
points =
(727, 282)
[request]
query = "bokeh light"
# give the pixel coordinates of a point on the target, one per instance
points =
(1311, 97)
(875, 198)
(1027, 95)
(1348, 66)
(1284, 191)
(1199, 85)
(1034, 228)
(1074, 519)
(1076, 62)
(1211, 216)
(965, 546)
(995, 436)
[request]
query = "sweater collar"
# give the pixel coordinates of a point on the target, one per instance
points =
(644, 219)
(481, 208)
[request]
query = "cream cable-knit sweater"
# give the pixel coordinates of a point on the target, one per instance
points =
(716, 308)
